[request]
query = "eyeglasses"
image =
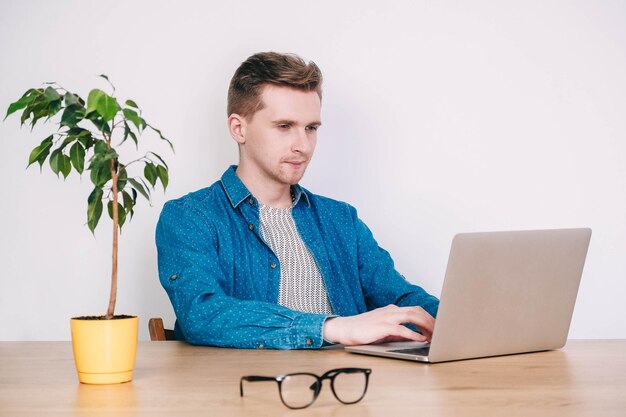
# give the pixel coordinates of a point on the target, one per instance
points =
(299, 390)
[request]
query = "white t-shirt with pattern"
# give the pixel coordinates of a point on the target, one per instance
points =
(302, 287)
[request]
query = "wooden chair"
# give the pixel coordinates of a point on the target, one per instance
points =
(157, 332)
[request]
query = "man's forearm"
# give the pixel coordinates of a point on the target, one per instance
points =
(228, 322)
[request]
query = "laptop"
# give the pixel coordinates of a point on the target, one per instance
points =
(503, 293)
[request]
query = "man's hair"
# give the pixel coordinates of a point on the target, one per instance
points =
(284, 70)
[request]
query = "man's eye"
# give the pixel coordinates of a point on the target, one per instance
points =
(312, 128)
(283, 126)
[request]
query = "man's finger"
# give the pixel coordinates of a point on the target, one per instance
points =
(408, 334)
(416, 316)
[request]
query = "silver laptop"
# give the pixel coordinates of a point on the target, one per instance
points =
(503, 293)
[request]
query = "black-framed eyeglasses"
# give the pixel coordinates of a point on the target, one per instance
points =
(300, 390)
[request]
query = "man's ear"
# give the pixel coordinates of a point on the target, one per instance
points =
(237, 128)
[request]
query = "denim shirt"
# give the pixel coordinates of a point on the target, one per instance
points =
(223, 279)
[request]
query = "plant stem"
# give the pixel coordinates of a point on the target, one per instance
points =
(113, 296)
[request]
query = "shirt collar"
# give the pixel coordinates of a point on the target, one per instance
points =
(237, 192)
(299, 192)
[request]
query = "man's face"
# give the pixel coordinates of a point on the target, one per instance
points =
(280, 138)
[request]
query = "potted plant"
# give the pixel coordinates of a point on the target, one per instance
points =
(104, 346)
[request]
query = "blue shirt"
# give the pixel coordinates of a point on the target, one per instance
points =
(223, 279)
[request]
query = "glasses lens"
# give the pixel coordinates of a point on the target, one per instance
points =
(349, 387)
(298, 390)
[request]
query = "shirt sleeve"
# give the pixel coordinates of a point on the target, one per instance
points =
(381, 283)
(190, 273)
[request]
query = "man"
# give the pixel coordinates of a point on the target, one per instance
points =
(257, 261)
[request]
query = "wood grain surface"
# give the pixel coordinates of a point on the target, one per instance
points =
(586, 378)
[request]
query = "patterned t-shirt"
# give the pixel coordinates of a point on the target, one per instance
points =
(302, 287)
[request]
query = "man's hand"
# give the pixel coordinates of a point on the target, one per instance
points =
(384, 324)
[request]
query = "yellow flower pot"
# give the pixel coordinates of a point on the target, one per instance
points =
(104, 350)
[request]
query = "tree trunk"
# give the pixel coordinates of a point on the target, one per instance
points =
(113, 296)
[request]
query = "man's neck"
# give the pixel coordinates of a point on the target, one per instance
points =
(267, 192)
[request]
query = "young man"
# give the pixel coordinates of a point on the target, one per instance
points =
(257, 261)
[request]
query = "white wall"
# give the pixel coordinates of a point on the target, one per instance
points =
(439, 117)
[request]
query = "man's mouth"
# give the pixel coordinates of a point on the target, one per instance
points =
(295, 163)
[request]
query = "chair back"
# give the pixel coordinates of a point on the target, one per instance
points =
(157, 332)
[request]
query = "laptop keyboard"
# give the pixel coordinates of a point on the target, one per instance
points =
(421, 351)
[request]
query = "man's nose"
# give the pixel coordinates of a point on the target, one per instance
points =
(301, 143)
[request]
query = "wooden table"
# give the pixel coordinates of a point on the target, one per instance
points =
(586, 378)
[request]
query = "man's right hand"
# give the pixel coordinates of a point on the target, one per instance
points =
(384, 324)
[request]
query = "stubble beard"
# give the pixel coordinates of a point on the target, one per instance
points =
(286, 175)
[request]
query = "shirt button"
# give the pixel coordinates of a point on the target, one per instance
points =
(174, 277)
(273, 265)
(251, 226)
(309, 342)
(261, 346)
(251, 201)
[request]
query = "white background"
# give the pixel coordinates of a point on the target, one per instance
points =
(439, 117)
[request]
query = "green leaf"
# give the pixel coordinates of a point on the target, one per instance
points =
(160, 159)
(101, 146)
(101, 108)
(60, 163)
(42, 107)
(141, 180)
(107, 107)
(126, 130)
(163, 176)
(93, 98)
(131, 103)
(100, 172)
(72, 114)
(121, 213)
(25, 115)
(101, 175)
(94, 208)
(25, 100)
(71, 98)
(127, 133)
(77, 131)
(110, 154)
(132, 115)
(38, 101)
(98, 121)
(161, 136)
(53, 108)
(137, 186)
(129, 202)
(56, 161)
(66, 165)
(51, 94)
(77, 155)
(122, 179)
(133, 137)
(67, 141)
(86, 140)
(41, 152)
(151, 174)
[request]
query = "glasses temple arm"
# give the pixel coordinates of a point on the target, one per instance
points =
(253, 378)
